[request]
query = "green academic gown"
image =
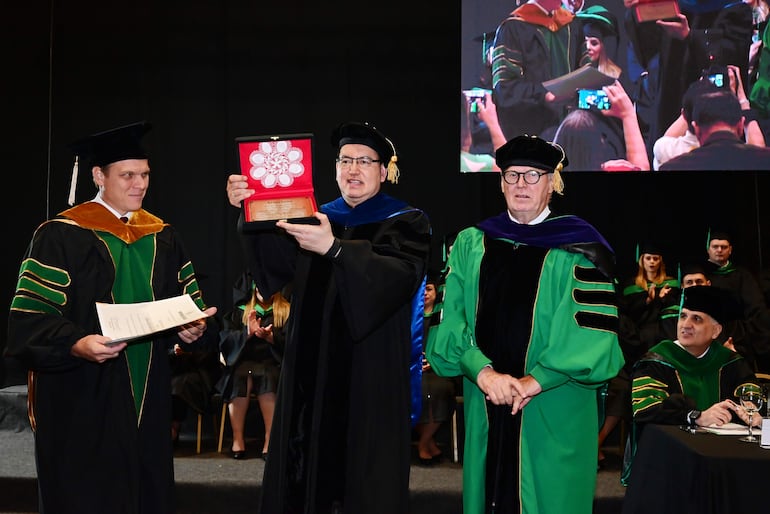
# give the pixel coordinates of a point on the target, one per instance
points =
(553, 316)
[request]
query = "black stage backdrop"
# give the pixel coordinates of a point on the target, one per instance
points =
(205, 72)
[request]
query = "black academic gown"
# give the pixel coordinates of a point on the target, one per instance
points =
(341, 435)
(94, 454)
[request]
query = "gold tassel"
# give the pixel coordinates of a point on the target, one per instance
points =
(73, 183)
(558, 182)
(393, 171)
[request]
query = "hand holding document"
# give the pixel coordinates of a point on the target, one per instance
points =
(585, 77)
(127, 321)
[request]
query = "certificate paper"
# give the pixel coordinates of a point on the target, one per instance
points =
(126, 321)
(585, 77)
(728, 429)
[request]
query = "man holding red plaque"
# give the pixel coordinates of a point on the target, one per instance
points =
(341, 438)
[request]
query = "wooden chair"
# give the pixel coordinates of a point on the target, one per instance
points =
(226, 415)
(199, 425)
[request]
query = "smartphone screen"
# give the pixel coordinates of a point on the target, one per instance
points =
(718, 79)
(588, 98)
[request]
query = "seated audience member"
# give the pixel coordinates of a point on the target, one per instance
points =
(486, 112)
(692, 274)
(596, 142)
(251, 341)
(438, 393)
(648, 293)
(751, 333)
(718, 123)
(692, 380)
(734, 334)
(194, 371)
(679, 138)
(642, 299)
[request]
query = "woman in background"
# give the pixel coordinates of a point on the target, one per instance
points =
(251, 342)
(649, 292)
(600, 30)
(438, 393)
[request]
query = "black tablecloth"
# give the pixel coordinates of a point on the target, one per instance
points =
(679, 472)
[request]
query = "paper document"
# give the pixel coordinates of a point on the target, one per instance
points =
(728, 429)
(125, 321)
(585, 77)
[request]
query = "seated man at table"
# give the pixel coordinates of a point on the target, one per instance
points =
(690, 381)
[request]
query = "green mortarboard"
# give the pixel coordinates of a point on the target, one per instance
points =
(598, 21)
(106, 147)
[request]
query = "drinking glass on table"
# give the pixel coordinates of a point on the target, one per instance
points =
(752, 399)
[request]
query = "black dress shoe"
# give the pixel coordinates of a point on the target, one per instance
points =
(426, 462)
(239, 455)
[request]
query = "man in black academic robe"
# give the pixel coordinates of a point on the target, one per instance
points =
(341, 437)
(102, 413)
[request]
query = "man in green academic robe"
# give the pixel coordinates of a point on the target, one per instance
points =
(530, 322)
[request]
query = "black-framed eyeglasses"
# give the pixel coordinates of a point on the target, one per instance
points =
(530, 176)
(363, 162)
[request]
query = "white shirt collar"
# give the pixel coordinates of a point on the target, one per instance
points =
(685, 349)
(534, 2)
(98, 199)
(540, 217)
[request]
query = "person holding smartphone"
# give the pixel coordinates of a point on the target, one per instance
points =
(719, 124)
(604, 139)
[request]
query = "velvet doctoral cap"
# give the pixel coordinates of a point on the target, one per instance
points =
(363, 133)
(104, 148)
(717, 302)
(531, 151)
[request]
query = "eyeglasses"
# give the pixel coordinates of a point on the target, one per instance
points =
(530, 176)
(363, 162)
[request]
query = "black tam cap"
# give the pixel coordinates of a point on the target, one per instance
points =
(103, 148)
(356, 133)
(717, 302)
(692, 268)
(531, 151)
